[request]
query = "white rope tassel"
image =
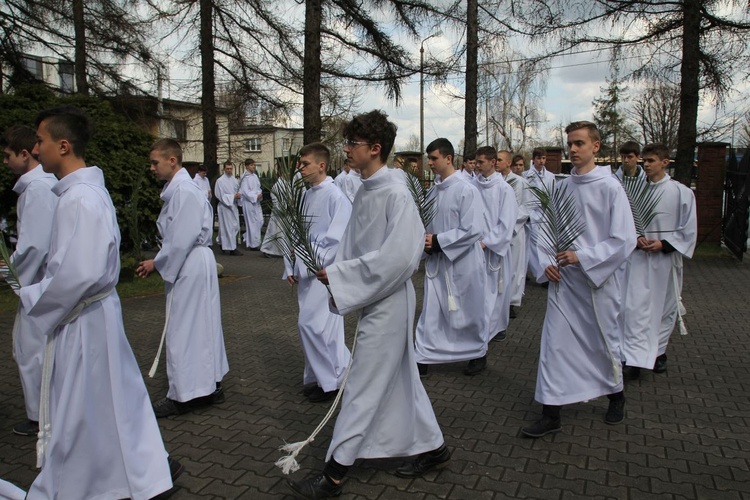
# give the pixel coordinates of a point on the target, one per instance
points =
(16, 327)
(289, 463)
(681, 311)
(45, 426)
(452, 304)
(155, 365)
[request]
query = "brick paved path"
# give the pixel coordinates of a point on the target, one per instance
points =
(686, 434)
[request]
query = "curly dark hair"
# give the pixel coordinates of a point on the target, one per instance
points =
(374, 128)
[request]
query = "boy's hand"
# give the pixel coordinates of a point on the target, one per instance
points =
(653, 246)
(322, 276)
(553, 274)
(145, 268)
(428, 242)
(567, 258)
(641, 242)
(292, 280)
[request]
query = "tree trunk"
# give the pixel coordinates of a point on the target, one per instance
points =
(82, 85)
(208, 85)
(312, 122)
(687, 131)
(472, 49)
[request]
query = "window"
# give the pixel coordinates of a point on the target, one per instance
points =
(286, 144)
(252, 144)
(33, 66)
(175, 129)
(66, 77)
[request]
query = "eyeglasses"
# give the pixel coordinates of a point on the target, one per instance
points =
(352, 144)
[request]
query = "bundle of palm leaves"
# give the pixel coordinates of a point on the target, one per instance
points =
(643, 202)
(423, 198)
(560, 221)
(7, 270)
(293, 219)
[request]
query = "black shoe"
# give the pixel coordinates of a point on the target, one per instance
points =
(513, 312)
(615, 412)
(542, 427)
(309, 389)
(254, 249)
(314, 487)
(500, 337)
(319, 396)
(423, 369)
(175, 469)
(661, 364)
(631, 372)
(217, 397)
(236, 252)
(167, 407)
(26, 428)
(476, 366)
(425, 462)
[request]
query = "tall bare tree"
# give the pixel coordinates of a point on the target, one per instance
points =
(472, 72)
(96, 36)
(700, 43)
(656, 114)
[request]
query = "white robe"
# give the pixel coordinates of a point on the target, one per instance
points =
(518, 246)
(273, 232)
(466, 175)
(196, 358)
(35, 208)
(455, 274)
(340, 179)
(385, 410)
(654, 280)
(580, 356)
(321, 331)
(352, 183)
(251, 208)
(105, 443)
(229, 218)
(204, 185)
(536, 179)
(499, 216)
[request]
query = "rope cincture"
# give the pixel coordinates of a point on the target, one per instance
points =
(155, 364)
(288, 463)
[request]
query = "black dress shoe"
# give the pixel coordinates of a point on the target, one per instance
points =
(661, 364)
(423, 369)
(476, 366)
(175, 468)
(542, 427)
(615, 412)
(631, 372)
(235, 252)
(167, 407)
(309, 389)
(319, 396)
(425, 462)
(314, 487)
(26, 428)
(513, 312)
(500, 337)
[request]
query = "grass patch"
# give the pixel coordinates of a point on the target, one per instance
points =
(137, 288)
(711, 250)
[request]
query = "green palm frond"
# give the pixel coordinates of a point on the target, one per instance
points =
(512, 182)
(294, 220)
(7, 270)
(643, 201)
(561, 222)
(423, 199)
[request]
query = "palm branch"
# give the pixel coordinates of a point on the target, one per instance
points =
(7, 270)
(425, 202)
(294, 220)
(643, 202)
(561, 222)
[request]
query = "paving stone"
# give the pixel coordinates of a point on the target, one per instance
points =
(686, 434)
